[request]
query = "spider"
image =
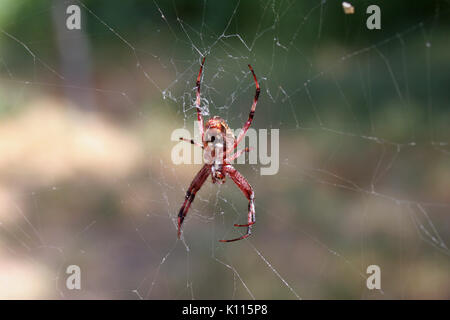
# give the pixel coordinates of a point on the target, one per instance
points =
(218, 143)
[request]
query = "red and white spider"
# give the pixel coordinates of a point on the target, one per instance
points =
(218, 143)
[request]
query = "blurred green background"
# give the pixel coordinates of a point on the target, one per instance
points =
(86, 176)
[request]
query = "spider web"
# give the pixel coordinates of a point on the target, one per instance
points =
(87, 177)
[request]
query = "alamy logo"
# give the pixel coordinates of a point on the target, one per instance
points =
(74, 280)
(374, 20)
(73, 21)
(374, 280)
(220, 146)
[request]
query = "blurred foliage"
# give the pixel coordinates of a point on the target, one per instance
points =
(100, 188)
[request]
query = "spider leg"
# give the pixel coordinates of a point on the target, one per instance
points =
(252, 111)
(191, 141)
(247, 189)
(197, 102)
(196, 184)
(237, 154)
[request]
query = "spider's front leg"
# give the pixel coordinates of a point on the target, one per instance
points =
(197, 102)
(252, 111)
(196, 184)
(191, 141)
(247, 189)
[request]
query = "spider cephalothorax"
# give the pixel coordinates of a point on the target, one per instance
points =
(218, 144)
(219, 139)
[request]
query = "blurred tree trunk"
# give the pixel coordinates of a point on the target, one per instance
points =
(75, 61)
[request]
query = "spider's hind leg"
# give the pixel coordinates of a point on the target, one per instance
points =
(247, 189)
(196, 184)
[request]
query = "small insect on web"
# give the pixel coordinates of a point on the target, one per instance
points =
(348, 8)
(218, 143)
